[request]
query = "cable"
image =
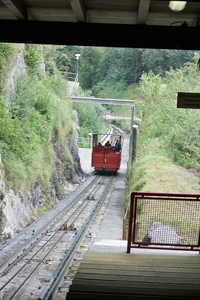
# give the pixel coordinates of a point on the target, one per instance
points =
(183, 23)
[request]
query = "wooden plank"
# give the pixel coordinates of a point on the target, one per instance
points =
(136, 259)
(139, 273)
(126, 278)
(143, 11)
(139, 260)
(17, 7)
(133, 285)
(143, 265)
(121, 290)
(154, 254)
(118, 272)
(112, 17)
(115, 267)
(100, 296)
(133, 256)
(121, 276)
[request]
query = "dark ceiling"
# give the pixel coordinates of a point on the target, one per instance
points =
(110, 23)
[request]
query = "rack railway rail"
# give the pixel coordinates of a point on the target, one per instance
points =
(33, 264)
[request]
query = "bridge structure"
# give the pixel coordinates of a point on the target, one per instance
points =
(133, 120)
(133, 123)
(102, 101)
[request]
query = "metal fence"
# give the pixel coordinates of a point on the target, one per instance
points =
(164, 221)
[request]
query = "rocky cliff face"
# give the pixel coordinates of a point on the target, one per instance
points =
(17, 207)
(18, 67)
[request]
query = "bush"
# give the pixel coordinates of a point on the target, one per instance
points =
(36, 118)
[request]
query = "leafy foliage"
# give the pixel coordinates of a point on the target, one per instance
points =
(34, 59)
(159, 61)
(90, 121)
(177, 130)
(7, 52)
(39, 113)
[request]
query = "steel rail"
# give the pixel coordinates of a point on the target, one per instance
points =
(14, 258)
(82, 204)
(50, 289)
(26, 230)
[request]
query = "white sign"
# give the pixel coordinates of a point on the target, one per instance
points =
(188, 100)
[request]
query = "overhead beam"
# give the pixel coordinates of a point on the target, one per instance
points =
(87, 34)
(102, 101)
(143, 11)
(17, 8)
(78, 9)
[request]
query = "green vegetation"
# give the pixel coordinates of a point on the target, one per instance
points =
(90, 121)
(165, 129)
(34, 59)
(38, 115)
(168, 157)
(108, 71)
(123, 112)
(7, 53)
(41, 210)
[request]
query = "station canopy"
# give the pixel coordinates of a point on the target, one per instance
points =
(111, 23)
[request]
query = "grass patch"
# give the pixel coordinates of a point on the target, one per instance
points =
(159, 174)
(41, 210)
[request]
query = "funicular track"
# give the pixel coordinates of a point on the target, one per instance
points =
(113, 130)
(36, 263)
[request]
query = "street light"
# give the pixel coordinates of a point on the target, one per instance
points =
(177, 5)
(77, 58)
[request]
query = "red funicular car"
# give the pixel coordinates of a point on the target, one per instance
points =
(106, 152)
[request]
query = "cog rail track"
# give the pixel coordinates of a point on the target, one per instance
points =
(36, 264)
(15, 248)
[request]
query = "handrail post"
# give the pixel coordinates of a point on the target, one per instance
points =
(124, 229)
(130, 224)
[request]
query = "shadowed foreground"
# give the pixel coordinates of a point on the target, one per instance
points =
(137, 276)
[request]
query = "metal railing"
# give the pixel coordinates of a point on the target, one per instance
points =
(73, 83)
(164, 221)
(69, 75)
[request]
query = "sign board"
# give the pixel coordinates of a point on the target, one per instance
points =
(188, 100)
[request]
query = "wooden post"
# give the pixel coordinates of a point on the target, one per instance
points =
(134, 141)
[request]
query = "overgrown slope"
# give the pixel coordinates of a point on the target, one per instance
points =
(168, 155)
(38, 140)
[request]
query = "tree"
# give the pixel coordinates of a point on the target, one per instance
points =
(159, 60)
(166, 129)
(89, 66)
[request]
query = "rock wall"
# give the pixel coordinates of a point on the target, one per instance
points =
(17, 207)
(18, 67)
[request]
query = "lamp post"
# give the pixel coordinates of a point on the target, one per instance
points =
(90, 139)
(77, 58)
